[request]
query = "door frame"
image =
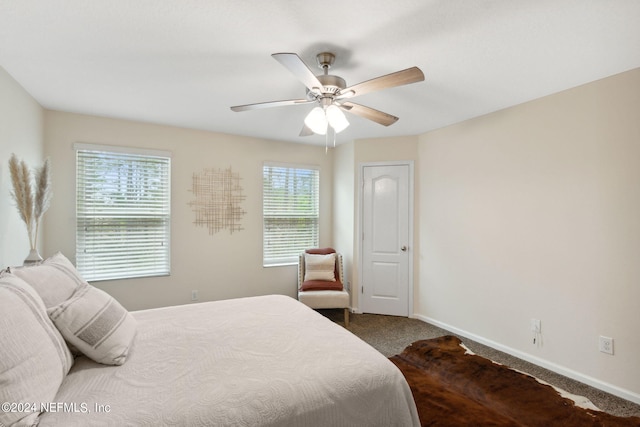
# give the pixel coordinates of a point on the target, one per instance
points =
(360, 231)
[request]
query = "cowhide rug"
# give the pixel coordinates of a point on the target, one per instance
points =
(452, 388)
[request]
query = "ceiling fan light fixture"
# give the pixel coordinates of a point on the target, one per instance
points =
(317, 121)
(329, 90)
(336, 118)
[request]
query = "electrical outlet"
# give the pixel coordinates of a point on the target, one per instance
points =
(606, 345)
(194, 295)
(535, 326)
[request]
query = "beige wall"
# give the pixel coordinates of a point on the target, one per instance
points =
(534, 212)
(21, 119)
(219, 266)
(344, 206)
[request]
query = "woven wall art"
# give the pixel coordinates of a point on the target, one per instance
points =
(218, 195)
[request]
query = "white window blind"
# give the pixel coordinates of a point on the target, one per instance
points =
(122, 213)
(290, 209)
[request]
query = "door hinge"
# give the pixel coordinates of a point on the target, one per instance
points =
(362, 289)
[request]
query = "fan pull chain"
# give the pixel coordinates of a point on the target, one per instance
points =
(326, 139)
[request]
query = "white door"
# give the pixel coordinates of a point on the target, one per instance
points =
(386, 239)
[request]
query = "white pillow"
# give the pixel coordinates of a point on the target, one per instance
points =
(96, 324)
(319, 267)
(34, 358)
(55, 279)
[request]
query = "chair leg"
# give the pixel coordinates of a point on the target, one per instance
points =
(346, 317)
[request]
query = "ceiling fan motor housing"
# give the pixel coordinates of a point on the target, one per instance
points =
(330, 86)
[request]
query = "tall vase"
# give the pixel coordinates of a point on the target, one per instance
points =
(33, 257)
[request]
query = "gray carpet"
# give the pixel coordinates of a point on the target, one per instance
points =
(390, 335)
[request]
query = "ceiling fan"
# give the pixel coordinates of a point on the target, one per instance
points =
(332, 94)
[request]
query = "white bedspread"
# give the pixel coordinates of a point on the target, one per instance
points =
(259, 361)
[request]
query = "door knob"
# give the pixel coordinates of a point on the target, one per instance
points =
(403, 248)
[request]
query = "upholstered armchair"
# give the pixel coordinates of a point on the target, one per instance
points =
(321, 280)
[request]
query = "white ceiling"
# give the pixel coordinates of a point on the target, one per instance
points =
(184, 63)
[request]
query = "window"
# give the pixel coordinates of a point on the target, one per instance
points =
(290, 210)
(122, 212)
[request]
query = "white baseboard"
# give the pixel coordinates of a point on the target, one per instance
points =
(562, 370)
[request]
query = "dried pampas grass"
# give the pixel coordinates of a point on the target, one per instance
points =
(31, 202)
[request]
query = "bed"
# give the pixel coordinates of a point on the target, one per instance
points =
(256, 361)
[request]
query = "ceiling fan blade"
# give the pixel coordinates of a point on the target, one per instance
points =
(306, 131)
(369, 113)
(399, 78)
(260, 105)
(298, 68)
